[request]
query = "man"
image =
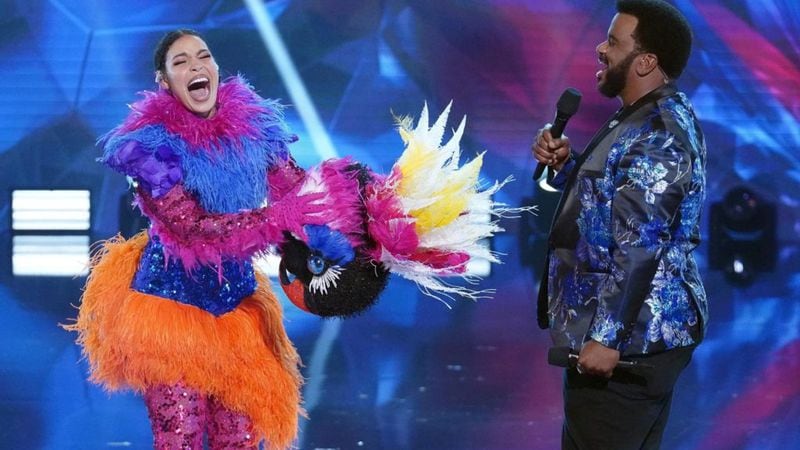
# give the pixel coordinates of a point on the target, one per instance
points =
(620, 279)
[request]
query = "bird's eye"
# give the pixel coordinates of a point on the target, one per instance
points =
(316, 264)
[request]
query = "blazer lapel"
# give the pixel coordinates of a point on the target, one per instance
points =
(608, 127)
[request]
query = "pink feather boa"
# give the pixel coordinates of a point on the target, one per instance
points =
(237, 105)
(342, 192)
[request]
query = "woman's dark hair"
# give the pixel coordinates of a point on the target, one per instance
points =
(160, 54)
(663, 31)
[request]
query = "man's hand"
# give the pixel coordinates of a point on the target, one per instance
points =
(597, 359)
(550, 151)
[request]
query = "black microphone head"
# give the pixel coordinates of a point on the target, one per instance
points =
(558, 356)
(569, 102)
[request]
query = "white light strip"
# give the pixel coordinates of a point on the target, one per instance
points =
(50, 255)
(50, 209)
(291, 78)
(480, 267)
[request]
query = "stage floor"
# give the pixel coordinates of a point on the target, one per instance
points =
(412, 374)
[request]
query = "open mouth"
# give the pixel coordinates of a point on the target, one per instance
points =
(603, 68)
(200, 89)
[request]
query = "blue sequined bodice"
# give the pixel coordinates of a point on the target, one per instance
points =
(205, 288)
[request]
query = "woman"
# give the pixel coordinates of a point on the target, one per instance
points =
(179, 313)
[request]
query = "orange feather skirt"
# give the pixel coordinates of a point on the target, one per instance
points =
(135, 341)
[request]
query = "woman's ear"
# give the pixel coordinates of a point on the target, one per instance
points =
(162, 80)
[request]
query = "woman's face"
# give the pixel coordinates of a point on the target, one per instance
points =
(192, 75)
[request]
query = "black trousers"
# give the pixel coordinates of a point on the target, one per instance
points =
(628, 411)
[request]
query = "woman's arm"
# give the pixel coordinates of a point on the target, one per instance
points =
(195, 236)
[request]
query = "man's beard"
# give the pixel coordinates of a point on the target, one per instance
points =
(616, 77)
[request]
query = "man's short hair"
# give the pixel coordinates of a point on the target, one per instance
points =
(661, 30)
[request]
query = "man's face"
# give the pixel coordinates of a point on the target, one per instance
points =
(192, 75)
(617, 55)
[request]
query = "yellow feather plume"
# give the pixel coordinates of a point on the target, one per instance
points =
(436, 188)
(445, 203)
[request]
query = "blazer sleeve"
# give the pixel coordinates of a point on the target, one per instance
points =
(560, 178)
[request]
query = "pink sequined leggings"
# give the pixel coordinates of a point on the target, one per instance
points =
(180, 416)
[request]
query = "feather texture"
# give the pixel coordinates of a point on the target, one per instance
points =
(241, 114)
(429, 216)
(333, 245)
(337, 181)
(223, 158)
(243, 358)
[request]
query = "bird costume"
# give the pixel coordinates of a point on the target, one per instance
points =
(181, 304)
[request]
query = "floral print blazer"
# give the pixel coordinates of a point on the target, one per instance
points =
(620, 268)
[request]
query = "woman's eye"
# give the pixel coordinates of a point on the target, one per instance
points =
(178, 63)
(316, 264)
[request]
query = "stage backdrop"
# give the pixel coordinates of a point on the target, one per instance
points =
(413, 373)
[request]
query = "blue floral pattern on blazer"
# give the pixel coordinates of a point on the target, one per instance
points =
(621, 269)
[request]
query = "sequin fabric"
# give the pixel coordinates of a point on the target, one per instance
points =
(228, 429)
(180, 416)
(196, 237)
(204, 287)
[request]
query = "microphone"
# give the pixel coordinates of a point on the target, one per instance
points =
(566, 107)
(565, 357)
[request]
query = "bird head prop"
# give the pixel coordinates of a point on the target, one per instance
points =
(328, 271)
(425, 220)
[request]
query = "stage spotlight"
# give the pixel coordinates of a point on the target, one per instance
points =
(742, 236)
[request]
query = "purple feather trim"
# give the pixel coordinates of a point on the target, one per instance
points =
(156, 171)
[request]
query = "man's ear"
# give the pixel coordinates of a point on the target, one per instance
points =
(647, 63)
(162, 80)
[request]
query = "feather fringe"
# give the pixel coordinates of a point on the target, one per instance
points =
(135, 341)
(247, 136)
(337, 179)
(429, 216)
(241, 113)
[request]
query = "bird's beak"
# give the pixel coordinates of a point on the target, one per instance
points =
(296, 293)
